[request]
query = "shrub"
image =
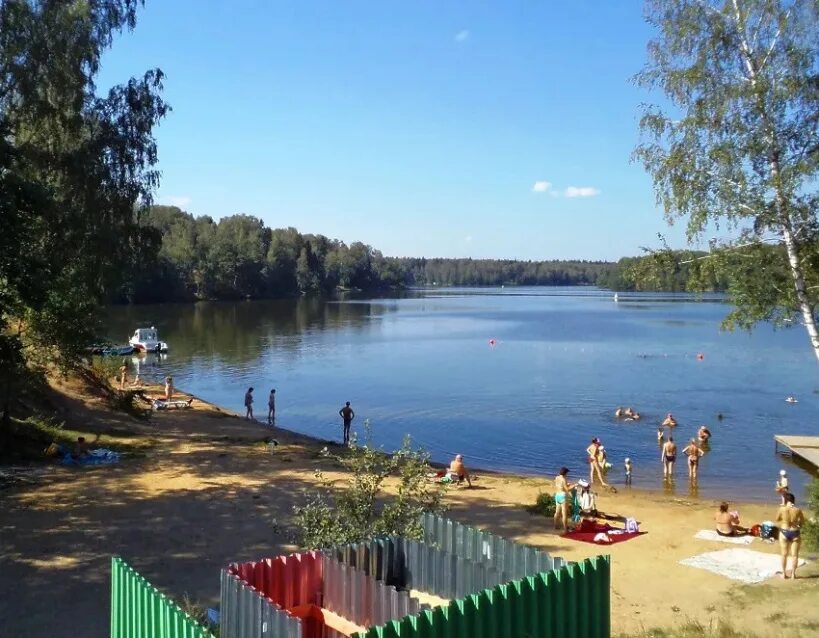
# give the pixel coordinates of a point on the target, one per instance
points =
(810, 531)
(544, 505)
(361, 509)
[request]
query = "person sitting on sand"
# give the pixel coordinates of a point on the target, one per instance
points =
(80, 449)
(790, 520)
(669, 421)
(563, 491)
(587, 499)
(703, 434)
(458, 470)
(694, 453)
(727, 523)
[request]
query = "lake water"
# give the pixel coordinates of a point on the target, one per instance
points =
(563, 359)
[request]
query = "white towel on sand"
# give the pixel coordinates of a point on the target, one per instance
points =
(711, 535)
(744, 565)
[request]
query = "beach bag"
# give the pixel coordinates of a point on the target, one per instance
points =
(632, 526)
(768, 531)
(755, 530)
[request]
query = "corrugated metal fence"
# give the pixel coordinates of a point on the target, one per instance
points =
(139, 610)
(288, 581)
(572, 602)
(359, 597)
(513, 559)
(247, 613)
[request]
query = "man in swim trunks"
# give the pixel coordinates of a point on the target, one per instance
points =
(594, 457)
(790, 520)
(668, 456)
(458, 469)
(562, 495)
(347, 415)
(693, 452)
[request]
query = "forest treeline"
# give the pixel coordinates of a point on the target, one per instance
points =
(186, 257)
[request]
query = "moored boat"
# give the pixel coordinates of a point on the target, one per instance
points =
(147, 340)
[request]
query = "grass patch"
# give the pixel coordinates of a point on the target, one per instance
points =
(693, 629)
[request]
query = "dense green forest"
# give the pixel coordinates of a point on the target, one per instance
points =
(186, 257)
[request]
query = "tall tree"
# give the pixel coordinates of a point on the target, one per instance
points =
(80, 167)
(739, 145)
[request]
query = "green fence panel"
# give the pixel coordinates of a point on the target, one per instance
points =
(139, 610)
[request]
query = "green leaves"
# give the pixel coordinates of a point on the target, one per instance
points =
(361, 508)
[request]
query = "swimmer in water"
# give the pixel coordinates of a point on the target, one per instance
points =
(703, 434)
(669, 421)
(660, 434)
(791, 399)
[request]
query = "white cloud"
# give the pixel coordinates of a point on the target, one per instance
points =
(541, 186)
(180, 201)
(581, 191)
(461, 36)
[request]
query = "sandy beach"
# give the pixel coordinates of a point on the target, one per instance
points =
(210, 491)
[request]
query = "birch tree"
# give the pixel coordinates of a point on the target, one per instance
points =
(737, 144)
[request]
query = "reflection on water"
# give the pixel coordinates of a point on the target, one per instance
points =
(514, 379)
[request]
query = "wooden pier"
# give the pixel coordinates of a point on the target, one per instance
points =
(805, 447)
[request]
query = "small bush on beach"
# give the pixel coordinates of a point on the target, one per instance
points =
(361, 508)
(693, 629)
(810, 531)
(544, 505)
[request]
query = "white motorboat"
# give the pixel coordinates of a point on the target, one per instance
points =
(147, 340)
(616, 297)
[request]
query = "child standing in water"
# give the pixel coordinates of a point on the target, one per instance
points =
(628, 468)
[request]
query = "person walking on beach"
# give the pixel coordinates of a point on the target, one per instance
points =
(249, 404)
(790, 519)
(693, 452)
(562, 497)
(668, 456)
(596, 456)
(347, 414)
(271, 407)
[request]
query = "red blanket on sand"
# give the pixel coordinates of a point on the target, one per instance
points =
(589, 529)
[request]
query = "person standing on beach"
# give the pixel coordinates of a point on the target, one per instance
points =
(595, 465)
(123, 374)
(271, 407)
(693, 452)
(168, 388)
(347, 414)
(790, 519)
(249, 404)
(562, 497)
(668, 456)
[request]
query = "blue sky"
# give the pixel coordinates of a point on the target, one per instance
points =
(498, 129)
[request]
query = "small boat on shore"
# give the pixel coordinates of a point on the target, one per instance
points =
(147, 340)
(107, 350)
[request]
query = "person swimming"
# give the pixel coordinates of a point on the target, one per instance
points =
(669, 421)
(791, 399)
(703, 434)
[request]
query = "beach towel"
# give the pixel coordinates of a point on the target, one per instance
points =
(600, 534)
(744, 565)
(99, 456)
(162, 404)
(711, 535)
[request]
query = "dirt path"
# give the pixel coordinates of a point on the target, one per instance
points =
(210, 493)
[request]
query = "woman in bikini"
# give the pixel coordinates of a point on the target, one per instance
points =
(789, 519)
(668, 456)
(594, 454)
(562, 496)
(693, 452)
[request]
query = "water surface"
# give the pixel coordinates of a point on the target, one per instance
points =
(563, 359)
